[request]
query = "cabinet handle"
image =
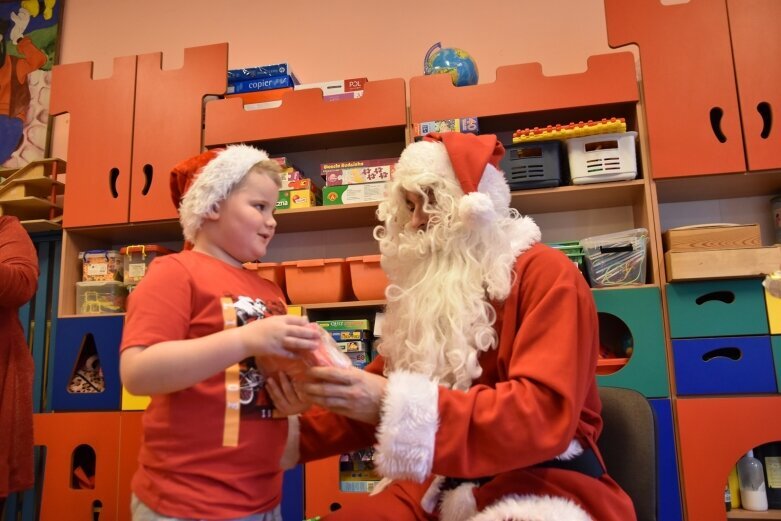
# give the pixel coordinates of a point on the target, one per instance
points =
(148, 171)
(733, 353)
(112, 182)
(727, 297)
(767, 118)
(716, 113)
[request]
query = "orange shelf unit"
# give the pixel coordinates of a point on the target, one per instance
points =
(130, 437)
(168, 122)
(756, 47)
(127, 131)
(518, 89)
(713, 433)
(380, 115)
(321, 488)
(99, 142)
(686, 61)
(61, 433)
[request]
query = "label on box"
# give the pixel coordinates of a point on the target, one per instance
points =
(446, 125)
(331, 325)
(262, 71)
(356, 346)
(97, 270)
(342, 336)
(346, 194)
(336, 86)
(137, 270)
(256, 84)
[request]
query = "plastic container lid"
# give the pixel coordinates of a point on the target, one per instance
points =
(92, 283)
(144, 249)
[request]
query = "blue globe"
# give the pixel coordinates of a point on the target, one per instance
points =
(456, 62)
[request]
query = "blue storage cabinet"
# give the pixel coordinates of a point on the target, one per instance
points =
(724, 365)
(71, 334)
(667, 483)
(641, 310)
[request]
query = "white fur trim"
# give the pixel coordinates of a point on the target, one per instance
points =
(426, 156)
(494, 185)
(292, 453)
(458, 504)
(525, 234)
(476, 210)
(531, 508)
(574, 449)
(215, 181)
(408, 425)
(430, 499)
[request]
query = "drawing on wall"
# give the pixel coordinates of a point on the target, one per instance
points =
(28, 49)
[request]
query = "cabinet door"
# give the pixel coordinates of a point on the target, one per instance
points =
(688, 83)
(756, 46)
(100, 136)
(168, 123)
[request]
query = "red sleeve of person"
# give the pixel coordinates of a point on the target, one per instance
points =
(327, 354)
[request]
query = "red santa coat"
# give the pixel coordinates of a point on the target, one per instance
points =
(535, 400)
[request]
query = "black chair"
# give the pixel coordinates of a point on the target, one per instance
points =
(628, 446)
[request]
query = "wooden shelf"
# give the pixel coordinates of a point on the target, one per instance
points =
(519, 89)
(327, 217)
(305, 121)
(344, 305)
(740, 514)
(581, 197)
(132, 233)
(726, 186)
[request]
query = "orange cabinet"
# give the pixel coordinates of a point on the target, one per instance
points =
(127, 131)
(710, 81)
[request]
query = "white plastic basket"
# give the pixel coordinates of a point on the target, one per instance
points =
(602, 157)
(616, 259)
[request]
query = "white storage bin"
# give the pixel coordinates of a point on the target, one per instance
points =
(616, 259)
(602, 157)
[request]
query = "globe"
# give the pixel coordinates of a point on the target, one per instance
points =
(456, 62)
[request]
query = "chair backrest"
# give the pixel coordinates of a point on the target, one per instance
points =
(628, 446)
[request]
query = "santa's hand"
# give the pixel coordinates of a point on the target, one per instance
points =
(350, 392)
(287, 400)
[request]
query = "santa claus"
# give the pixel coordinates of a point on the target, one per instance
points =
(483, 403)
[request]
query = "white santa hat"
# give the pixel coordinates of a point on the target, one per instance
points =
(200, 183)
(470, 160)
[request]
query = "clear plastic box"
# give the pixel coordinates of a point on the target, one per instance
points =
(96, 297)
(616, 259)
(136, 259)
(602, 157)
(101, 265)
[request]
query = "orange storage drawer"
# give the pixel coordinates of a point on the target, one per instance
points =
(368, 279)
(273, 271)
(317, 280)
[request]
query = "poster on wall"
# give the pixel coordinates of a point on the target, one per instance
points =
(28, 49)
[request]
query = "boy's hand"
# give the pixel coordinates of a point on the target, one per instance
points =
(286, 336)
(287, 401)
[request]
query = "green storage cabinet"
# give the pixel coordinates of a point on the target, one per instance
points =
(734, 307)
(641, 310)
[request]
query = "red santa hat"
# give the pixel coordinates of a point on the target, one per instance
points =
(200, 183)
(470, 160)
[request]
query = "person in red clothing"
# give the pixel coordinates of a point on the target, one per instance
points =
(18, 282)
(483, 403)
(212, 445)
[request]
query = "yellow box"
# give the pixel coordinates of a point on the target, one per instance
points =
(131, 402)
(773, 313)
(291, 199)
(295, 310)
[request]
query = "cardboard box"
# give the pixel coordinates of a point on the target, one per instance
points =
(446, 125)
(347, 194)
(335, 87)
(259, 84)
(261, 71)
(721, 264)
(343, 325)
(356, 172)
(712, 237)
(292, 199)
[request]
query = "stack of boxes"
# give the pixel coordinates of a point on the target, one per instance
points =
(262, 86)
(296, 191)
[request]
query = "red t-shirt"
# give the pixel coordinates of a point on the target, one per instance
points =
(184, 469)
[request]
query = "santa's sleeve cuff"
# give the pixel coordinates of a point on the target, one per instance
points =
(409, 420)
(292, 452)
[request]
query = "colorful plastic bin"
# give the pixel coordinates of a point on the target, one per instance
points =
(136, 260)
(368, 278)
(317, 280)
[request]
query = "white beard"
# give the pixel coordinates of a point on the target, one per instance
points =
(439, 317)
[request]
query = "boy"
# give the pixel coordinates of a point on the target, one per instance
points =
(211, 448)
